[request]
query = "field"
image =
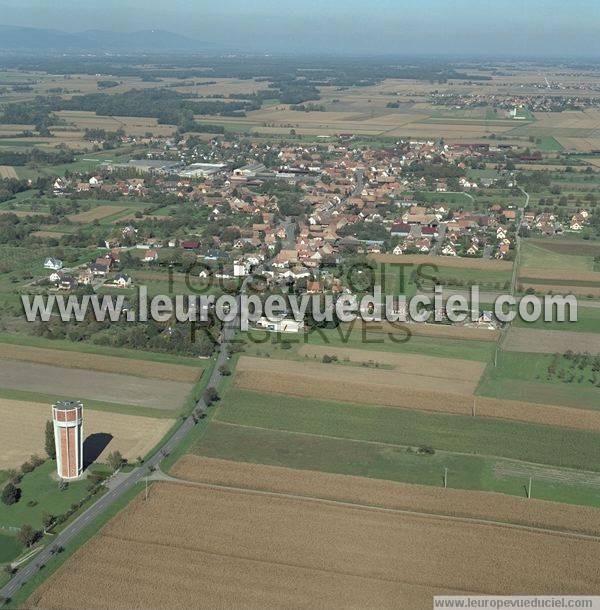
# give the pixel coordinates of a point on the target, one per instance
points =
(438, 331)
(22, 432)
(317, 553)
(409, 364)
(401, 428)
(551, 341)
(319, 381)
(444, 261)
(388, 494)
(97, 362)
(539, 378)
(98, 213)
(7, 171)
(428, 378)
(9, 548)
(108, 387)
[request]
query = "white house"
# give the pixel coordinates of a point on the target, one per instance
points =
(53, 263)
(240, 268)
(122, 280)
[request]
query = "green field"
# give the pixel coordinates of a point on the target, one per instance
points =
(398, 427)
(10, 548)
(343, 456)
(522, 376)
(588, 321)
(41, 487)
(533, 254)
(356, 338)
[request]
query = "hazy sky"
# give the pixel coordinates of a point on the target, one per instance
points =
(549, 27)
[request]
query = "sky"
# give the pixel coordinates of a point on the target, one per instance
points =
(376, 27)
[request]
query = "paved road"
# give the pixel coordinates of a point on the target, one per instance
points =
(126, 483)
(515, 273)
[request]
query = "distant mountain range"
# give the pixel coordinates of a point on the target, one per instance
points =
(14, 38)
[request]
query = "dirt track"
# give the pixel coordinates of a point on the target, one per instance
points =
(203, 548)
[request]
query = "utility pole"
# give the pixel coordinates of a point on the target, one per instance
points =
(529, 488)
(146, 498)
(445, 478)
(473, 407)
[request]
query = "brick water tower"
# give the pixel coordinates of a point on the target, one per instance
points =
(68, 438)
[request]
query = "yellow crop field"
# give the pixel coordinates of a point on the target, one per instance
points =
(410, 364)
(22, 431)
(389, 494)
(337, 375)
(179, 549)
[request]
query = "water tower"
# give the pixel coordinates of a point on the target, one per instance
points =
(68, 438)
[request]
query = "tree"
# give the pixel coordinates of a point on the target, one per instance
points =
(27, 535)
(210, 395)
(47, 520)
(224, 370)
(115, 460)
(11, 494)
(49, 444)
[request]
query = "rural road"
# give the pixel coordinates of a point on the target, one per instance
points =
(127, 482)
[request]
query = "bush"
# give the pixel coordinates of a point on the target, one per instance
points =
(27, 467)
(11, 494)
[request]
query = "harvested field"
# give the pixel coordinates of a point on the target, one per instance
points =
(446, 331)
(311, 386)
(410, 364)
(551, 341)
(338, 375)
(97, 213)
(298, 553)
(107, 387)
(362, 490)
(82, 120)
(444, 261)
(8, 171)
(560, 274)
(132, 435)
(105, 364)
(582, 291)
